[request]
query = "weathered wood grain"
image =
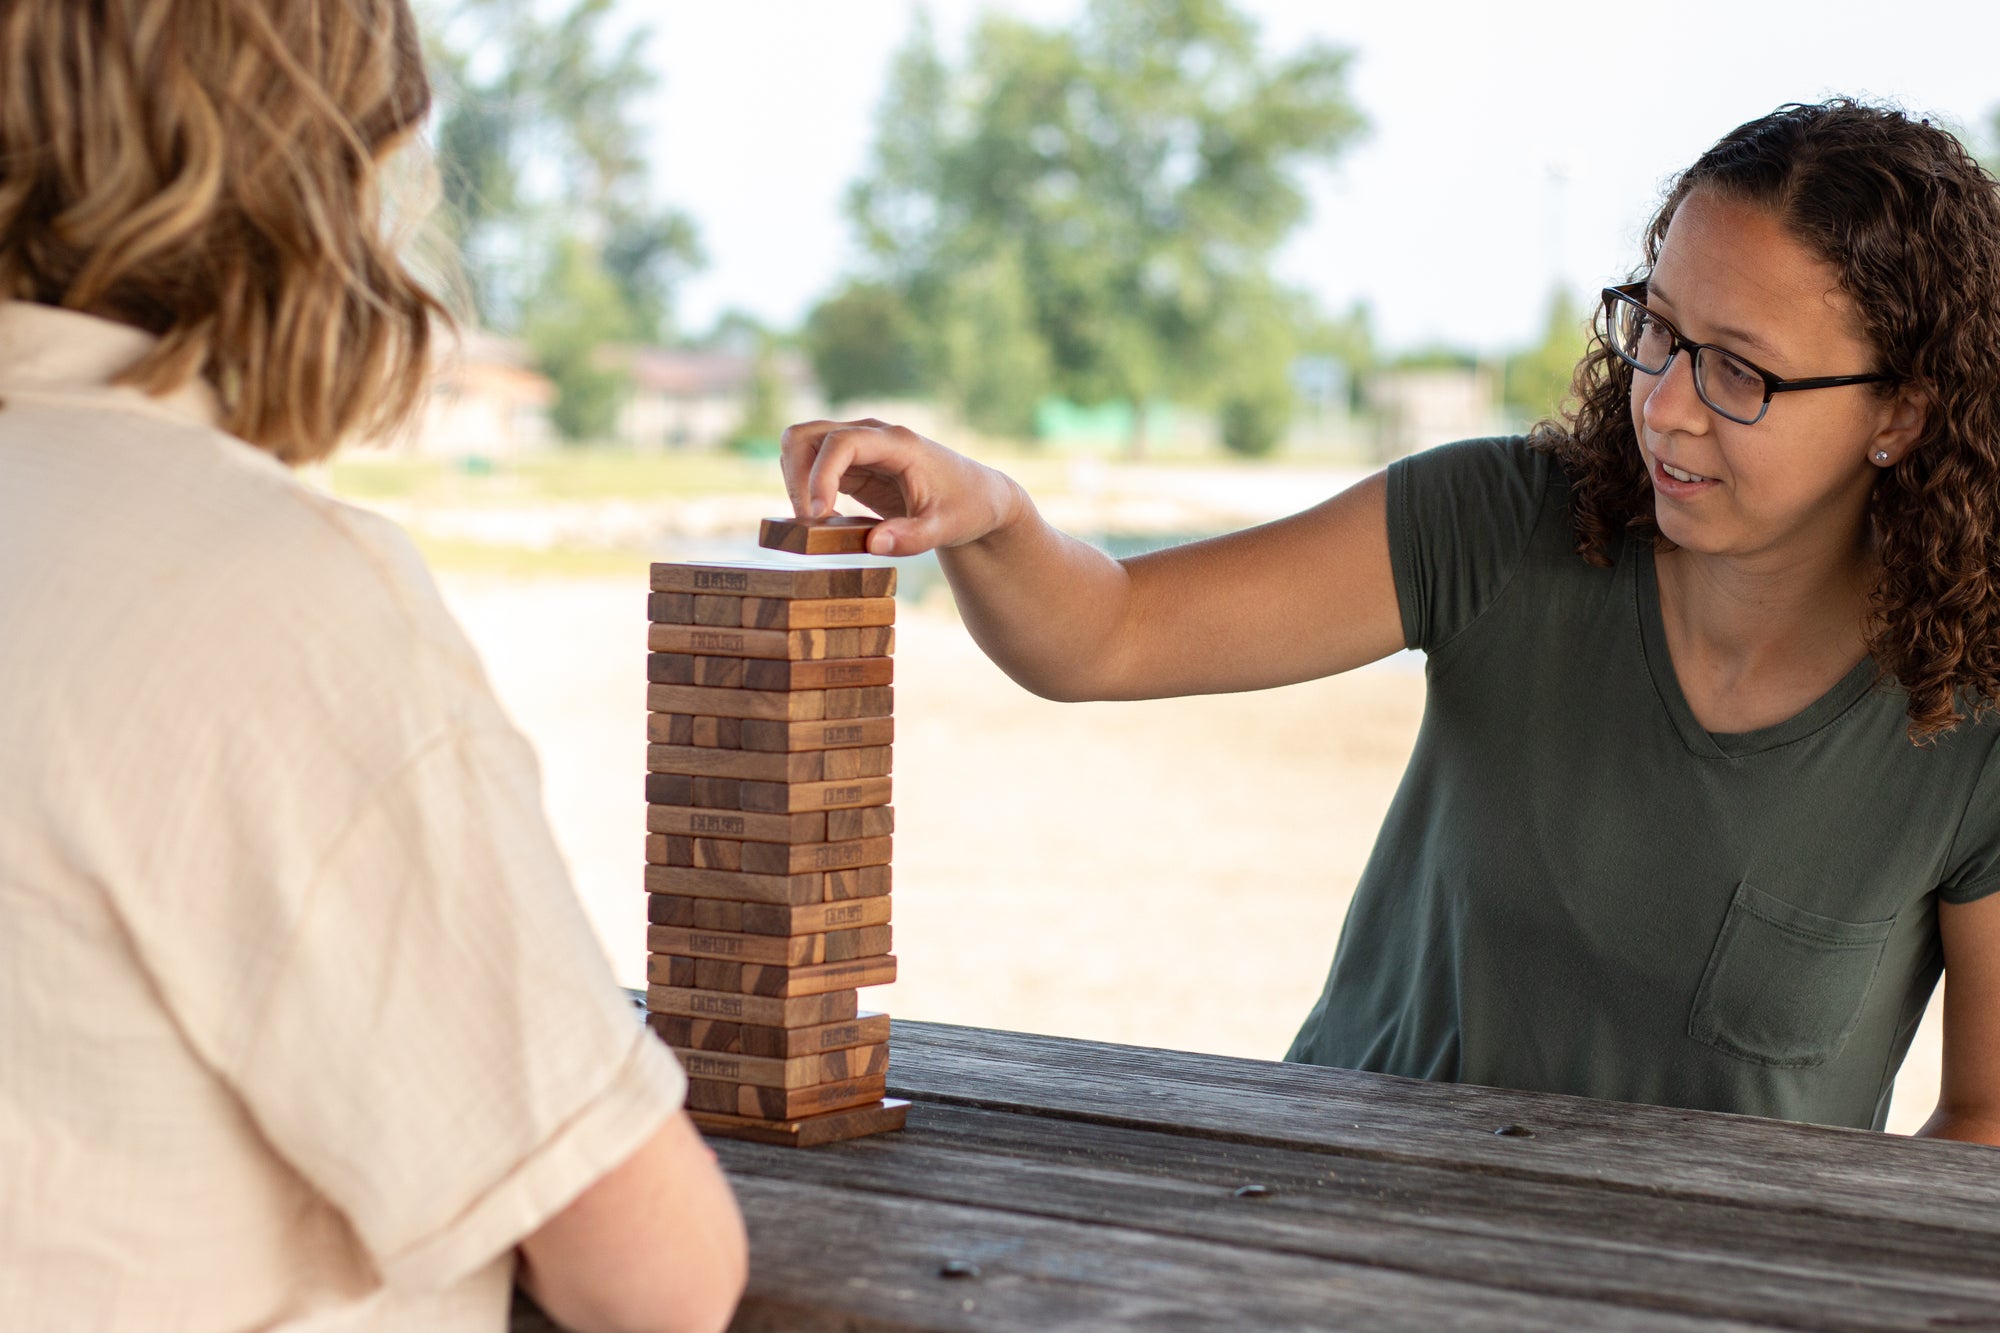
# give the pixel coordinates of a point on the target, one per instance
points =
(668, 909)
(837, 534)
(1645, 1149)
(697, 821)
(748, 580)
(874, 731)
(707, 1034)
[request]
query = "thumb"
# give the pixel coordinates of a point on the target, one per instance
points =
(904, 536)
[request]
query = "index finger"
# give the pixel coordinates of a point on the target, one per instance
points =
(797, 449)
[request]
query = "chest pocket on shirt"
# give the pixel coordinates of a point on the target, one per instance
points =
(1785, 986)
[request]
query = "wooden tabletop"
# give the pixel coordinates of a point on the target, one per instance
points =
(1045, 1183)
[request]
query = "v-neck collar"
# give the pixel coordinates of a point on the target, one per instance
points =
(1844, 694)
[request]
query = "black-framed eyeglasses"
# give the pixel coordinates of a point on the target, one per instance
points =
(1737, 389)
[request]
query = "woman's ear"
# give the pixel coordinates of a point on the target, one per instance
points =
(1902, 427)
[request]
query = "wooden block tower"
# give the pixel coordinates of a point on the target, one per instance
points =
(768, 830)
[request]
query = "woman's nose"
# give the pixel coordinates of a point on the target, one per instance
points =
(1672, 407)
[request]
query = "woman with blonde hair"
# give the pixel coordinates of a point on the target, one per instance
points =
(300, 1023)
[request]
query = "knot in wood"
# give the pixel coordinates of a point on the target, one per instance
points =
(957, 1268)
(1250, 1191)
(1515, 1132)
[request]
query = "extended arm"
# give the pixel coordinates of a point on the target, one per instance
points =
(1969, 1102)
(1303, 597)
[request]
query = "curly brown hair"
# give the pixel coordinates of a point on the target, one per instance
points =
(1912, 224)
(211, 173)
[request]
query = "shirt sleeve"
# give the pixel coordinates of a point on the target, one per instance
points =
(1460, 519)
(441, 1049)
(1974, 864)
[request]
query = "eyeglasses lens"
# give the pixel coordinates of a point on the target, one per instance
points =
(1647, 342)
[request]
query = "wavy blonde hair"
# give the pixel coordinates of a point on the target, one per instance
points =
(211, 172)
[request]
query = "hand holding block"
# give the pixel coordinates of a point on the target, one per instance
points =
(820, 536)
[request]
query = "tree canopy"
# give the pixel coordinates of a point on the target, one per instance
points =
(1091, 212)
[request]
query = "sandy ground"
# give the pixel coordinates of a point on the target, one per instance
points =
(1167, 874)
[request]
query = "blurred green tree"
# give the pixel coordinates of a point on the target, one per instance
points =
(545, 187)
(1534, 382)
(1091, 212)
(864, 343)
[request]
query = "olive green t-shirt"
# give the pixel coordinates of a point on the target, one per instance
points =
(1578, 889)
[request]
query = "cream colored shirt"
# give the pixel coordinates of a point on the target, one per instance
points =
(301, 1025)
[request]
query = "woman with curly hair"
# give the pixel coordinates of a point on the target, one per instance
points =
(301, 1025)
(1707, 790)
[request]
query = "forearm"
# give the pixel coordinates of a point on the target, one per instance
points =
(1044, 606)
(1962, 1126)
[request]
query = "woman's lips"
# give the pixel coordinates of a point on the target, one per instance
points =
(1673, 487)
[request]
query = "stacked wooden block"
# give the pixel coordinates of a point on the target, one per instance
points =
(768, 843)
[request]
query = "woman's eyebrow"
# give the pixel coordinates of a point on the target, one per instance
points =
(1720, 330)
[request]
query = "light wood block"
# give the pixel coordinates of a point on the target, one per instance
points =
(723, 974)
(811, 826)
(767, 705)
(783, 1103)
(707, 1034)
(803, 1071)
(792, 797)
(785, 890)
(860, 882)
(869, 731)
(777, 645)
(880, 1117)
(874, 821)
(837, 946)
(834, 613)
(835, 535)
(874, 701)
(759, 765)
(748, 580)
(846, 673)
(763, 1010)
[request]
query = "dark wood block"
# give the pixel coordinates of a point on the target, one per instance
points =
(688, 669)
(707, 1034)
(790, 797)
(748, 580)
(786, 890)
(835, 613)
(881, 1117)
(875, 821)
(773, 705)
(696, 822)
(837, 946)
(722, 612)
(720, 733)
(871, 731)
(665, 970)
(757, 765)
(695, 853)
(803, 1071)
(861, 882)
(765, 1011)
(670, 608)
(774, 644)
(713, 793)
(723, 974)
(770, 858)
(837, 534)
(875, 701)
(844, 674)
(728, 914)
(782, 1103)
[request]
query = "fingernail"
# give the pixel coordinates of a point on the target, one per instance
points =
(884, 543)
(818, 507)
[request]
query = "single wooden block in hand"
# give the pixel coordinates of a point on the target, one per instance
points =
(838, 535)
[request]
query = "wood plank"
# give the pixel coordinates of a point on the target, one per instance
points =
(684, 729)
(792, 797)
(786, 890)
(778, 859)
(670, 608)
(755, 580)
(722, 974)
(697, 821)
(786, 950)
(873, 701)
(709, 1034)
(681, 789)
(844, 673)
(868, 761)
(873, 821)
(720, 611)
(763, 1010)
(781, 1103)
(878, 1117)
(874, 731)
(767, 705)
(803, 613)
(1647, 1149)
(773, 644)
(860, 882)
(761, 765)
(873, 1262)
(1561, 1239)
(727, 673)
(837, 534)
(803, 1071)
(667, 909)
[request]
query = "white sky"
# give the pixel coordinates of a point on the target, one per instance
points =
(1494, 166)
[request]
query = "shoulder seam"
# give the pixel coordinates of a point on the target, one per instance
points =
(1513, 573)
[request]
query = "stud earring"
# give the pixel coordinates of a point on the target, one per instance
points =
(1881, 455)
